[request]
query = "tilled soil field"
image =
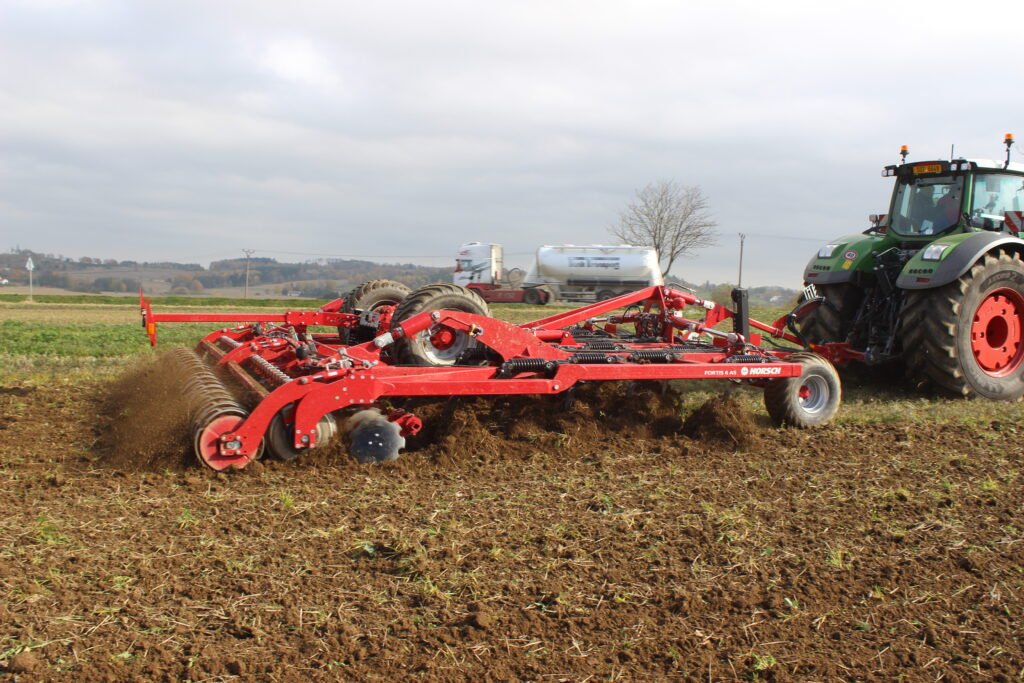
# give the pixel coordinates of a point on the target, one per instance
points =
(518, 539)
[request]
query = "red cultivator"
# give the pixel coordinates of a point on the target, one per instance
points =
(271, 383)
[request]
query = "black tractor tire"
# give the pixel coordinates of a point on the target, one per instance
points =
(532, 296)
(368, 296)
(831, 321)
(810, 400)
(420, 349)
(967, 338)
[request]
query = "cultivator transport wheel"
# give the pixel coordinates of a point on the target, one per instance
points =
(531, 296)
(442, 347)
(212, 409)
(371, 296)
(809, 400)
(281, 434)
(967, 337)
(830, 322)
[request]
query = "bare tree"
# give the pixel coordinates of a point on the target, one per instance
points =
(672, 218)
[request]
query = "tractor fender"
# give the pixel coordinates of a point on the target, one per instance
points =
(851, 257)
(962, 252)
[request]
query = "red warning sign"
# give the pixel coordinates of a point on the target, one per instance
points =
(1015, 221)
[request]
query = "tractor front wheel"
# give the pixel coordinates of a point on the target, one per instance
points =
(810, 400)
(830, 322)
(967, 338)
(441, 346)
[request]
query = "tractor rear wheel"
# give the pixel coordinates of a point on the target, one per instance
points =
(967, 337)
(830, 322)
(442, 347)
(369, 296)
(810, 400)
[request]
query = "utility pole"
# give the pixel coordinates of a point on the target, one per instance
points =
(739, 280)
(248, 253)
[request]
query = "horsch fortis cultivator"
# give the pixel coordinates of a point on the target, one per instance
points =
(272, 383)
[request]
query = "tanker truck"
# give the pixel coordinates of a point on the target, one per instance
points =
(568, 272)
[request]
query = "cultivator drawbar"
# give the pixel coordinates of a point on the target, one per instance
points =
(272, 382)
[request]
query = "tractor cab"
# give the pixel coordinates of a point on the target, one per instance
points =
(935, 198)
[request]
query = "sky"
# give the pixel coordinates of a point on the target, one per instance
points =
(395, 131)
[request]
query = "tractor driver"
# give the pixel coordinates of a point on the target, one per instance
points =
(947, 209)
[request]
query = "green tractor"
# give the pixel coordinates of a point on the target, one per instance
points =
(937, 284)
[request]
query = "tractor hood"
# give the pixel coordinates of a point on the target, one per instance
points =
(839, 260)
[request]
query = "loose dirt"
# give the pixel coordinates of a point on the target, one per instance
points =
(517, 539)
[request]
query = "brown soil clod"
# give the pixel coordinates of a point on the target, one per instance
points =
(724, 420)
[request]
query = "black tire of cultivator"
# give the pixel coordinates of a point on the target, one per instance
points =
(367, 297)
(830, 322)
(936, 331)
(206, 398)
(420, 350)
(280, 436)
(810, 400)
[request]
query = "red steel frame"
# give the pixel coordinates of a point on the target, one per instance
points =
(359, 375)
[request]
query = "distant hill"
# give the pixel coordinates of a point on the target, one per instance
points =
(320, 279)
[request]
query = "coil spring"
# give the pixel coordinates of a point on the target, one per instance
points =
(651, 356)
(594, 357)
(746, 358)
(270, 371)
(516, 365)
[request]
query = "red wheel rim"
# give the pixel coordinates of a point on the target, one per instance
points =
(996, 332)
(209, 437)
(442, 339)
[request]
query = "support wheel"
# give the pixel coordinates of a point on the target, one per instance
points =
(532, 296)
(370, 296)
(810, 400)
(967, 338)
(443, 347)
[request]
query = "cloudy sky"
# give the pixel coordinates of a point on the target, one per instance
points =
(191, 130)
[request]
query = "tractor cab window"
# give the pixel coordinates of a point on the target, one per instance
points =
(926, 206)
(992, 196)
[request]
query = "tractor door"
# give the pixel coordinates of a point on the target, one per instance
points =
(992, 196)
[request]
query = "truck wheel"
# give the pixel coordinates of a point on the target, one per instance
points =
(827, 324)
(444, 347)
(967, 338)
(370, 296)
(810, 400)
(606, 294)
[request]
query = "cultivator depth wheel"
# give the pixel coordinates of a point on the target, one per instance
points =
(809, 400)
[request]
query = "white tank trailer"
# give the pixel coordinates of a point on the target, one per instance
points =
(569, 272)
